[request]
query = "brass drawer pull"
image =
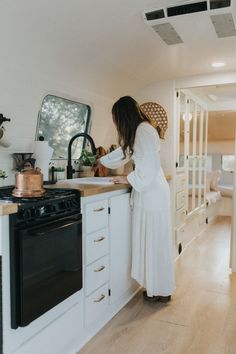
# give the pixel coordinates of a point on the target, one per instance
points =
(99, 239)
(99, 209)
(100, 299)
(99, 269)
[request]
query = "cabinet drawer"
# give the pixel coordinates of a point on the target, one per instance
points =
(180, 183)
(180, 217)
(96, 215)
(96, 274)
(180, 200)
(95, 304)
(96, 245)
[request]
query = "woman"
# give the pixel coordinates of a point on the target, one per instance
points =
(152, 258)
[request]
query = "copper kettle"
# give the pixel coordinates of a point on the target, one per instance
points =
(29, 183)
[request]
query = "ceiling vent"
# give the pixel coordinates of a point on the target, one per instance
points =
(168, 21)
(219, 4)
(154, 15)
(167, 33)
(186, 8)
(224, 25)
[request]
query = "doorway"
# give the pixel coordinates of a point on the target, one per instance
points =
(220, 104)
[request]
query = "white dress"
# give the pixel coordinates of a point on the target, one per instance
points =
(152, 248)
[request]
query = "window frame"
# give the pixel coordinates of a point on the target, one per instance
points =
(222, 165)
(87, 125)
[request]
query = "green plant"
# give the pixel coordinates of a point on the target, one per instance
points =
(59, 169)
(3, 174)
(87, 158)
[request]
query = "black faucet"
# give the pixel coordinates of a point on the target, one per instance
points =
(69, 169)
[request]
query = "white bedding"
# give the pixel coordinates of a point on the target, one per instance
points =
(213, 197)
(226, 190)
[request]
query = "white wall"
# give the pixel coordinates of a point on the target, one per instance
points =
(225, 147)
(163, 94)
(21, 93)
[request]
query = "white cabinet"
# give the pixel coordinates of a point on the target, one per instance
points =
(96, 258)
(96, 215)
(97, 274)
(120, 246)
(190, 178)
(180, 200)
(107, 252)
(192, 121)
(96, 245)
(96, 304)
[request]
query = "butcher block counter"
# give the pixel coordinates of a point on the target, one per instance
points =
(7, 208)
(89, 189)
(86, 190)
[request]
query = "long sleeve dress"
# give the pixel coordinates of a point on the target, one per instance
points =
(152, 247)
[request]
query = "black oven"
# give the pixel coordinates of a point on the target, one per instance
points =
(45, 254)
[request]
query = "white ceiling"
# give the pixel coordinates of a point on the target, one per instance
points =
(104, 45)
(217, 97)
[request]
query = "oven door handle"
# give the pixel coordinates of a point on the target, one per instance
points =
(59, 226)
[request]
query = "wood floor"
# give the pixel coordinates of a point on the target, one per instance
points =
(201, 318)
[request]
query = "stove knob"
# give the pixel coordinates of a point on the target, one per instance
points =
(26, 214)
(33, 212)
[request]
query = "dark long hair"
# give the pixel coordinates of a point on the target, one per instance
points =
(127, 116)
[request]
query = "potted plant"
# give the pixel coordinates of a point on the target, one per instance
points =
(87, 160)
(2, 177)
(60, 173)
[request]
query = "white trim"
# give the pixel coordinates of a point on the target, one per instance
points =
(233, 224)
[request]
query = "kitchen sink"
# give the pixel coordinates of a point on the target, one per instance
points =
(88, 180)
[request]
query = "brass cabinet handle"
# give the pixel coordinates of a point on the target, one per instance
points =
(100, 299)
(99, 209)
(99, 269)
(99, 239)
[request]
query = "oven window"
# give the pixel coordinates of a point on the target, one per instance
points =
(49, 268)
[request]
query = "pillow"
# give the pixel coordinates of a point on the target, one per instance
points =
(215, 178)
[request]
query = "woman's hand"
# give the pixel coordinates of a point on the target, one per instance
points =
(120, 180)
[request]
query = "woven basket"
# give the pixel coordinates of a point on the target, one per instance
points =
(157, 116)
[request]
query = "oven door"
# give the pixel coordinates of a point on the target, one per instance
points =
(46, 267)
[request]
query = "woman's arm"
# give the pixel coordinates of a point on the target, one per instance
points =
(114, 159)
(147, 158)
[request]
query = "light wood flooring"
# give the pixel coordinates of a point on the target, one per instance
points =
(201, 318)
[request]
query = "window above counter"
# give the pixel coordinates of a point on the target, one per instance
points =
(59, 119)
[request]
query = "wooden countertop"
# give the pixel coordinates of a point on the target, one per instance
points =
(87, 190)
(7, 208)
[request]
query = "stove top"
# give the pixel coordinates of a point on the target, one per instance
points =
(50, 194)
(55, 202)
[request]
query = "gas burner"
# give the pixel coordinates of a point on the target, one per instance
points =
(6, 194)
(55, 202)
